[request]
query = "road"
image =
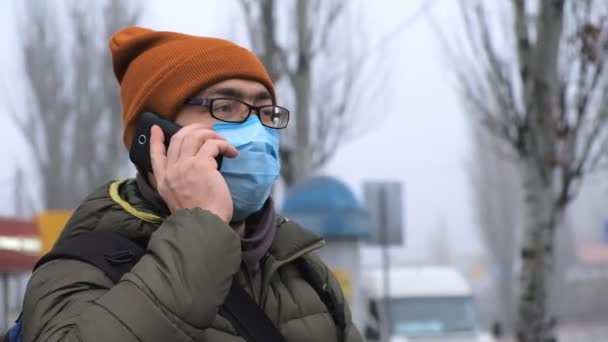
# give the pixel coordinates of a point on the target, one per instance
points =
(580, 332)
(584, 332)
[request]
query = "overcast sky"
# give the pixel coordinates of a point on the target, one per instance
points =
(422, 141)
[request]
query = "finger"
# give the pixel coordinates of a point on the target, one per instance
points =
(214, 147)
(158, 156)
(193, 142)
(175, 146)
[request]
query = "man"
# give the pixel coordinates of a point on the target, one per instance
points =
(202, 227)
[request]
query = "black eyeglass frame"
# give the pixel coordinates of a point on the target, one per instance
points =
(208, 102)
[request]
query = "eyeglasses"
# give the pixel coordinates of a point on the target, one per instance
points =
(236, 111)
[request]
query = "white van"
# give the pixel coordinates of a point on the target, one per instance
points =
(423, 304)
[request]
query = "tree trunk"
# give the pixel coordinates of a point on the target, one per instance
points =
(302, 161)
(534, 322)
(539, 163)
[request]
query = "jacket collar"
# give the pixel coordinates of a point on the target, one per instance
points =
(292, 240)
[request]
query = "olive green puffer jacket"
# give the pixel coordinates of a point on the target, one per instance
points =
(174, 291)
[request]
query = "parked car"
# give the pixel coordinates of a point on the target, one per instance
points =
(422, 304)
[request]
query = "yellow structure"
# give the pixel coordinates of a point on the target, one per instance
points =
(345, 280)
(50, 224)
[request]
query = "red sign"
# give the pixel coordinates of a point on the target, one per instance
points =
(20, 245)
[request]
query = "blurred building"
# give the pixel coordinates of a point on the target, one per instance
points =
(20, 248)
(50, 224)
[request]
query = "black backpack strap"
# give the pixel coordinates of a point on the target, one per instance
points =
(321, 285)
(247, 317)
(112, 253)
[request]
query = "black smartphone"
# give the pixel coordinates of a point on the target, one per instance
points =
(140, 147)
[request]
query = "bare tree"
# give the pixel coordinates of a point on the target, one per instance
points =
(539, 85)
(497, 195)
(72, 123)
(318, 71)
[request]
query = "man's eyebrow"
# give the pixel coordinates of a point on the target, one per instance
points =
(237, 94)
(263, 95)
(228, 92)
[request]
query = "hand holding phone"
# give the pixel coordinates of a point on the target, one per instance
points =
(140, 147)
(186, 169)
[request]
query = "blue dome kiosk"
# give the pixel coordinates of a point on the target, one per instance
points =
(326, 206)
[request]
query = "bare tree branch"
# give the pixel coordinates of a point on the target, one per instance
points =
(524, 45)
(598, 126)
(326, 25)
(69, 101)
(498, 74)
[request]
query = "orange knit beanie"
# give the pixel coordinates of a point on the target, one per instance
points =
(158, 71)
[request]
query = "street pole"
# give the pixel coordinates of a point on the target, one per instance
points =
(386, 304)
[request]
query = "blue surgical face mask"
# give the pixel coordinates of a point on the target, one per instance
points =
(252, 173)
